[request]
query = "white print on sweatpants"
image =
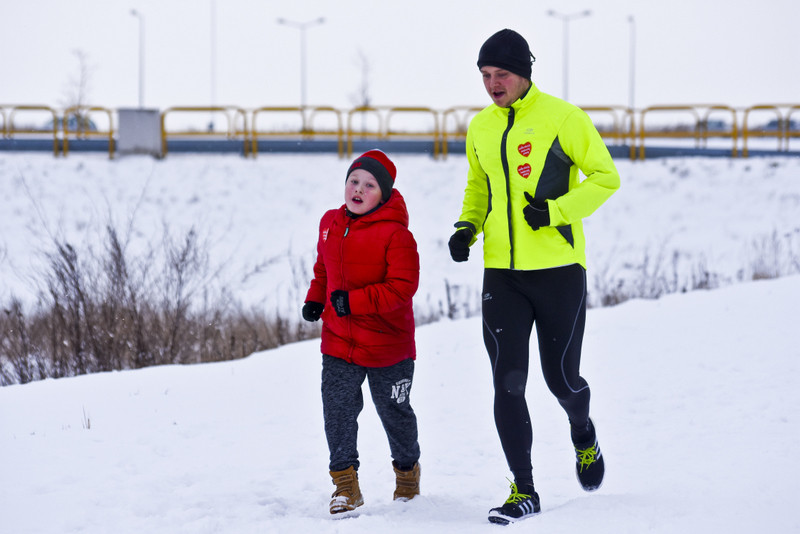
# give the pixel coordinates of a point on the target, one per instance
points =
(400, 390)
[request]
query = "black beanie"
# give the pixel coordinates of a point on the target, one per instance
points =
(507, 50)
(380, 166)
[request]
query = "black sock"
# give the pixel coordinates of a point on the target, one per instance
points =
(582, 434)
(525, 487)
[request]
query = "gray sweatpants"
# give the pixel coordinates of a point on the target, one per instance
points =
(342, 402)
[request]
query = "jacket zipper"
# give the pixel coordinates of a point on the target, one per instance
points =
(504, 158)
(341, 270)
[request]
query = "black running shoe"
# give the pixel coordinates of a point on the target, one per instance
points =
(589, 465)
(517, 507)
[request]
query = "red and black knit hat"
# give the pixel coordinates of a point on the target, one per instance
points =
(380, 166)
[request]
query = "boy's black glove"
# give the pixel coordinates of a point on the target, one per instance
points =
(341, 302)
(536, 212)
(312, 311)
(459, 244)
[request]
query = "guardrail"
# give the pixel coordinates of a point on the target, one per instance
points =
(12, 129)
(83, 129)
(429, 130)
(231, 132)
(302, 130)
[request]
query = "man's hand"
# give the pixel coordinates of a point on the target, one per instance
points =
(536, 212)
(459, 244)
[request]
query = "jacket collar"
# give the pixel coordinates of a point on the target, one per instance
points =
(527, 98)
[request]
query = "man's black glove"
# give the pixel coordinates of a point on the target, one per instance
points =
(341, 302)
(312, 311)
(459, 244)
(536, 212)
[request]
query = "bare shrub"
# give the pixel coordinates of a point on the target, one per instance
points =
(106, 311)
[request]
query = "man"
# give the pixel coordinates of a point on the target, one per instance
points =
(524, 193)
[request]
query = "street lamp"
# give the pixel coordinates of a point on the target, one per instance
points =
(213, 39)
(632, 65)
(566, 19)
(302, 26)
(141, 55)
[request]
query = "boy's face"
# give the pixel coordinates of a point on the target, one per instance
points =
(362, 192)
(503, 86)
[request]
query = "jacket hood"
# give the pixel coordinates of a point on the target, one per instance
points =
(393, 209)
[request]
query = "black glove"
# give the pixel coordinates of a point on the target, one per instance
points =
(341, 302)
(312, 311)
(536, 212)
(459, 244)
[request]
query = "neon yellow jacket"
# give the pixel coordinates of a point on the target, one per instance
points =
(537, 145)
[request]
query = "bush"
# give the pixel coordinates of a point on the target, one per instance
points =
(107, 311)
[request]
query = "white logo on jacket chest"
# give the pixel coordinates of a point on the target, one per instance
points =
(325, 234)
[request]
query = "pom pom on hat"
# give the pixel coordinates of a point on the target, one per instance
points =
(380, 166)
(507, 50)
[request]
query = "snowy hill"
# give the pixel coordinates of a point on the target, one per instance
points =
(695, 395)
(695, 398)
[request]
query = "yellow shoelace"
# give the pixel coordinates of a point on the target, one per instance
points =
(586, 456)
(516, 496)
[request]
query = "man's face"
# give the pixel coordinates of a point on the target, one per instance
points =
(503, 86)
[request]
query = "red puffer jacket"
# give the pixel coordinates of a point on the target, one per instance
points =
(373, 257)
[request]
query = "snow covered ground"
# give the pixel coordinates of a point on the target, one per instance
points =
(260, 217)
(694, 395)
(695, 398)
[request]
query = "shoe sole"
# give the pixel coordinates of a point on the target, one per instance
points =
(498, 519)
(345, 509)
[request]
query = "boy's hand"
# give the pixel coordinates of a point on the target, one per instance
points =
(459, 244)
(341, 302)
(536, 212)
(312, 311)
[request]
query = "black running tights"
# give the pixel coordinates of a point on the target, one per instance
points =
(513, 301)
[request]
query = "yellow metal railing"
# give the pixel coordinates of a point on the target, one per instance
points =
(231, 113)
(633, 128)
(303, 130)
(13, 129)
(731, 133)
(364, 112)
(433, 133)
(750, 132)
(81, 114)
(383, 115)
(460, 117)
(622, 125)
(790, 132)
(673, 133)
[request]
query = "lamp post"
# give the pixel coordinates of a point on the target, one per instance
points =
(213, 62)
(632, 65)
(302, 26)
(138, 15)
(566, 20)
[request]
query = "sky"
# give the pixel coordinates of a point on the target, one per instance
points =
(416, 52)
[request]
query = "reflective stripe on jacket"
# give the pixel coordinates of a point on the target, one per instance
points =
(537, 145)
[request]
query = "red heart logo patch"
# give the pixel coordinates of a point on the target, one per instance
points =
(525, 149)
(524, 170)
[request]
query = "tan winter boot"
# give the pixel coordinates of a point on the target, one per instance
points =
(347, 495)
(407, 483)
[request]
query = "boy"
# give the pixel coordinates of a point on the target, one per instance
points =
(365, 276)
